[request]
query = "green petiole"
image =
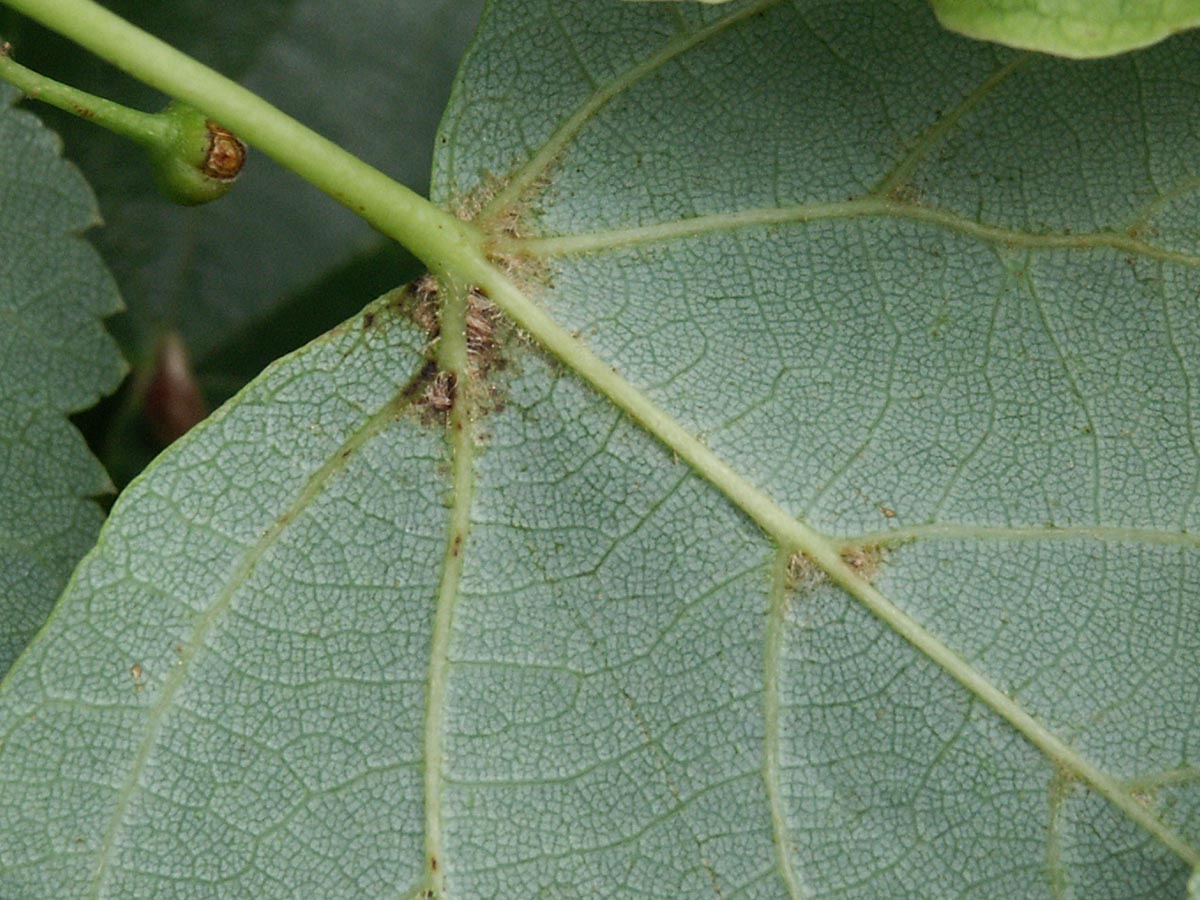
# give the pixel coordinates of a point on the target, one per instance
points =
(148, 129)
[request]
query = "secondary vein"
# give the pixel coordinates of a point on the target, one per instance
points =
(902, 171)
(193, 647)
(452, 357)
(552, 148)
(953, 531)
(859, 208)
(773, 726)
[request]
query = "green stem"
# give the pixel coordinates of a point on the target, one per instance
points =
(440, 240)
(148, 129)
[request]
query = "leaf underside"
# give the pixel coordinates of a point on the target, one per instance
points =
(935, 298)
(55, 359)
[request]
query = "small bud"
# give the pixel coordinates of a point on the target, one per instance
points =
(173, 401)
(201, 160)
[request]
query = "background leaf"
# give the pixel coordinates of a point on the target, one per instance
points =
(1069, 27)
(55, 359)
(940, 305)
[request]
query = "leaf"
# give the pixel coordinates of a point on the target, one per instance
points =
(276, 492)
(55, 359)
(374, 78)
(914, 619)
(1069, 27)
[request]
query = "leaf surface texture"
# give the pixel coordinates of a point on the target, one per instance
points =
(55, 359)
(936, 299)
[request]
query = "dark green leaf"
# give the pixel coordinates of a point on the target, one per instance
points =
(55, 359)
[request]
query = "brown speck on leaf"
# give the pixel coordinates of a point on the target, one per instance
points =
(481, 324)
(136, 671)
(888, 512)
(425, 312)
(425, 287)
(439, 396)
(905, 192)
(802, 572)
(867, 562)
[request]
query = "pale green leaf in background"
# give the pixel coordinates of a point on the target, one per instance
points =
(1074, 28)
(936, 298)
(55, 359)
